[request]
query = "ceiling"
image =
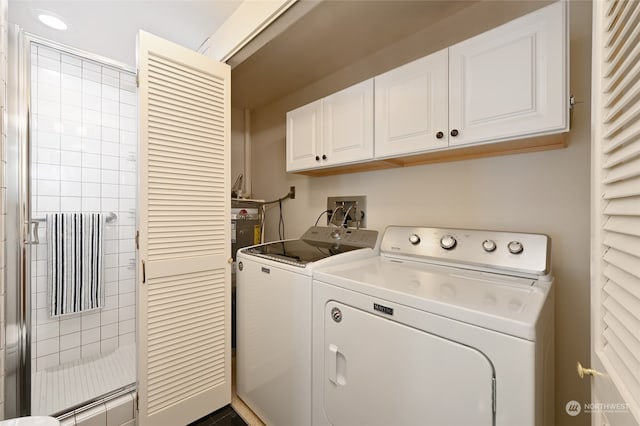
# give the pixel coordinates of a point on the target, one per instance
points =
(109, 28)
(331, 36)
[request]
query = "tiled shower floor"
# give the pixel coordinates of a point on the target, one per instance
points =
(57, 389)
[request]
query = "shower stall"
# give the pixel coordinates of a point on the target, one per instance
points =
(72, 150)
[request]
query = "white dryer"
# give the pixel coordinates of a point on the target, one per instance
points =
(273, 318)
(444, 327)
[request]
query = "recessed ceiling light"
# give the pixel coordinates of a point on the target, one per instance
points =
(52, 21)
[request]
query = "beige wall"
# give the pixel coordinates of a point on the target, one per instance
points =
(545, 192)
(3, 186)
(237, 143)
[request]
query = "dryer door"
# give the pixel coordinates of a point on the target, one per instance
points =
(380, 372)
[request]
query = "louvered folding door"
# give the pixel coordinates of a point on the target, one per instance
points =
(184, 282)
(616, 213)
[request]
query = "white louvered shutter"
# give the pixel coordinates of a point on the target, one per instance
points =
(184, 367)
(616, 210)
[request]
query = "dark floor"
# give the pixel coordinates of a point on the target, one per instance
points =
(225, 416)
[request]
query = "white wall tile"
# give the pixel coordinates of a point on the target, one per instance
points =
(110, 134)
(111, 246)
(110, 93)
(71, 189)
(110, 106)
(128, 138)
(71, 158)
(127, 313)
(48, 204)
(71, 204)
(47, 156)
(71, 97)
(90, 189)
(48, 140)
(71, 81)
(69, 341)
(69, 355)
(110, 176)
(90, 336)
(109, 205)
(110, 148)
(126, 299)
(48, 331)
(48, 187)
(109, 316)
(49, 109)
(71, 143)
(48, 171)
(108, 345)
(91, 102)
(110, 163)
(90, 320)
(108, 331)
(70, 324)
(127, 326)
(48, 346)
(109, 190)
(127, 338)
(92, 146)
(90, 349)
(91, 175)
(47, 361)
(72, 174)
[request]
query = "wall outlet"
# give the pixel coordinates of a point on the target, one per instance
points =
(292, 192)
(347, 211)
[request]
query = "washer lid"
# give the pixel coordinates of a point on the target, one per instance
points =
(502, 303)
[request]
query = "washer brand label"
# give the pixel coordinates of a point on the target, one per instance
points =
(384, 309)
(266, 270)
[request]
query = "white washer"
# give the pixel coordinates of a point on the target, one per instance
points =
(444, 327)
(273, 318)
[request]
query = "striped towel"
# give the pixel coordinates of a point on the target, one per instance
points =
(75, 265)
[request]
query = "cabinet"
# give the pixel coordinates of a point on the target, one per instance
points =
(410, 107)
(503, 91)
(337, 129)
(510, 82)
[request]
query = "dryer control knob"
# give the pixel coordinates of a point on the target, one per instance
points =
(515, 247)
(489, 245)
(448, 242)
(414, 239)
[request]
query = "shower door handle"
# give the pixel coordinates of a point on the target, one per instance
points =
(31, 234)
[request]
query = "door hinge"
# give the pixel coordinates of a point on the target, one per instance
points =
(144, 273)
(138, 78)
(137, 240)
(137, 402)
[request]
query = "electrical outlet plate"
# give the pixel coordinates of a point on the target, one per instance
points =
(354, 206)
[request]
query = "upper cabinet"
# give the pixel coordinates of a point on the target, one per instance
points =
(503, 91)
(410, 107)
(510, 82)
(332, 131)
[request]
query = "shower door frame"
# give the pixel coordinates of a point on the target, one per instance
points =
(19, 223)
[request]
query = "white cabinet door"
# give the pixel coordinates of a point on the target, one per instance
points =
(511, 81)
(304, 137)
(347, 125)
(411, 112)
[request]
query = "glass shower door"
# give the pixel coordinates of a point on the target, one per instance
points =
(83, 147)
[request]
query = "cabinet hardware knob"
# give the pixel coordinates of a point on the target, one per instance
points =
(317, 158)
(324, 157)
(454, 132)
(582, 371)
(439, 135)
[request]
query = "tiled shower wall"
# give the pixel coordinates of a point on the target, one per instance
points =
(83, 160)
(3, 186)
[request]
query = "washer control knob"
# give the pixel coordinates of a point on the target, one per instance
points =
(448, 242)
(515, 247)
(414, 239)
(489, 245)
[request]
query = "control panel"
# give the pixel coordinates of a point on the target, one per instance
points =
(340, 235)
(491, 250)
